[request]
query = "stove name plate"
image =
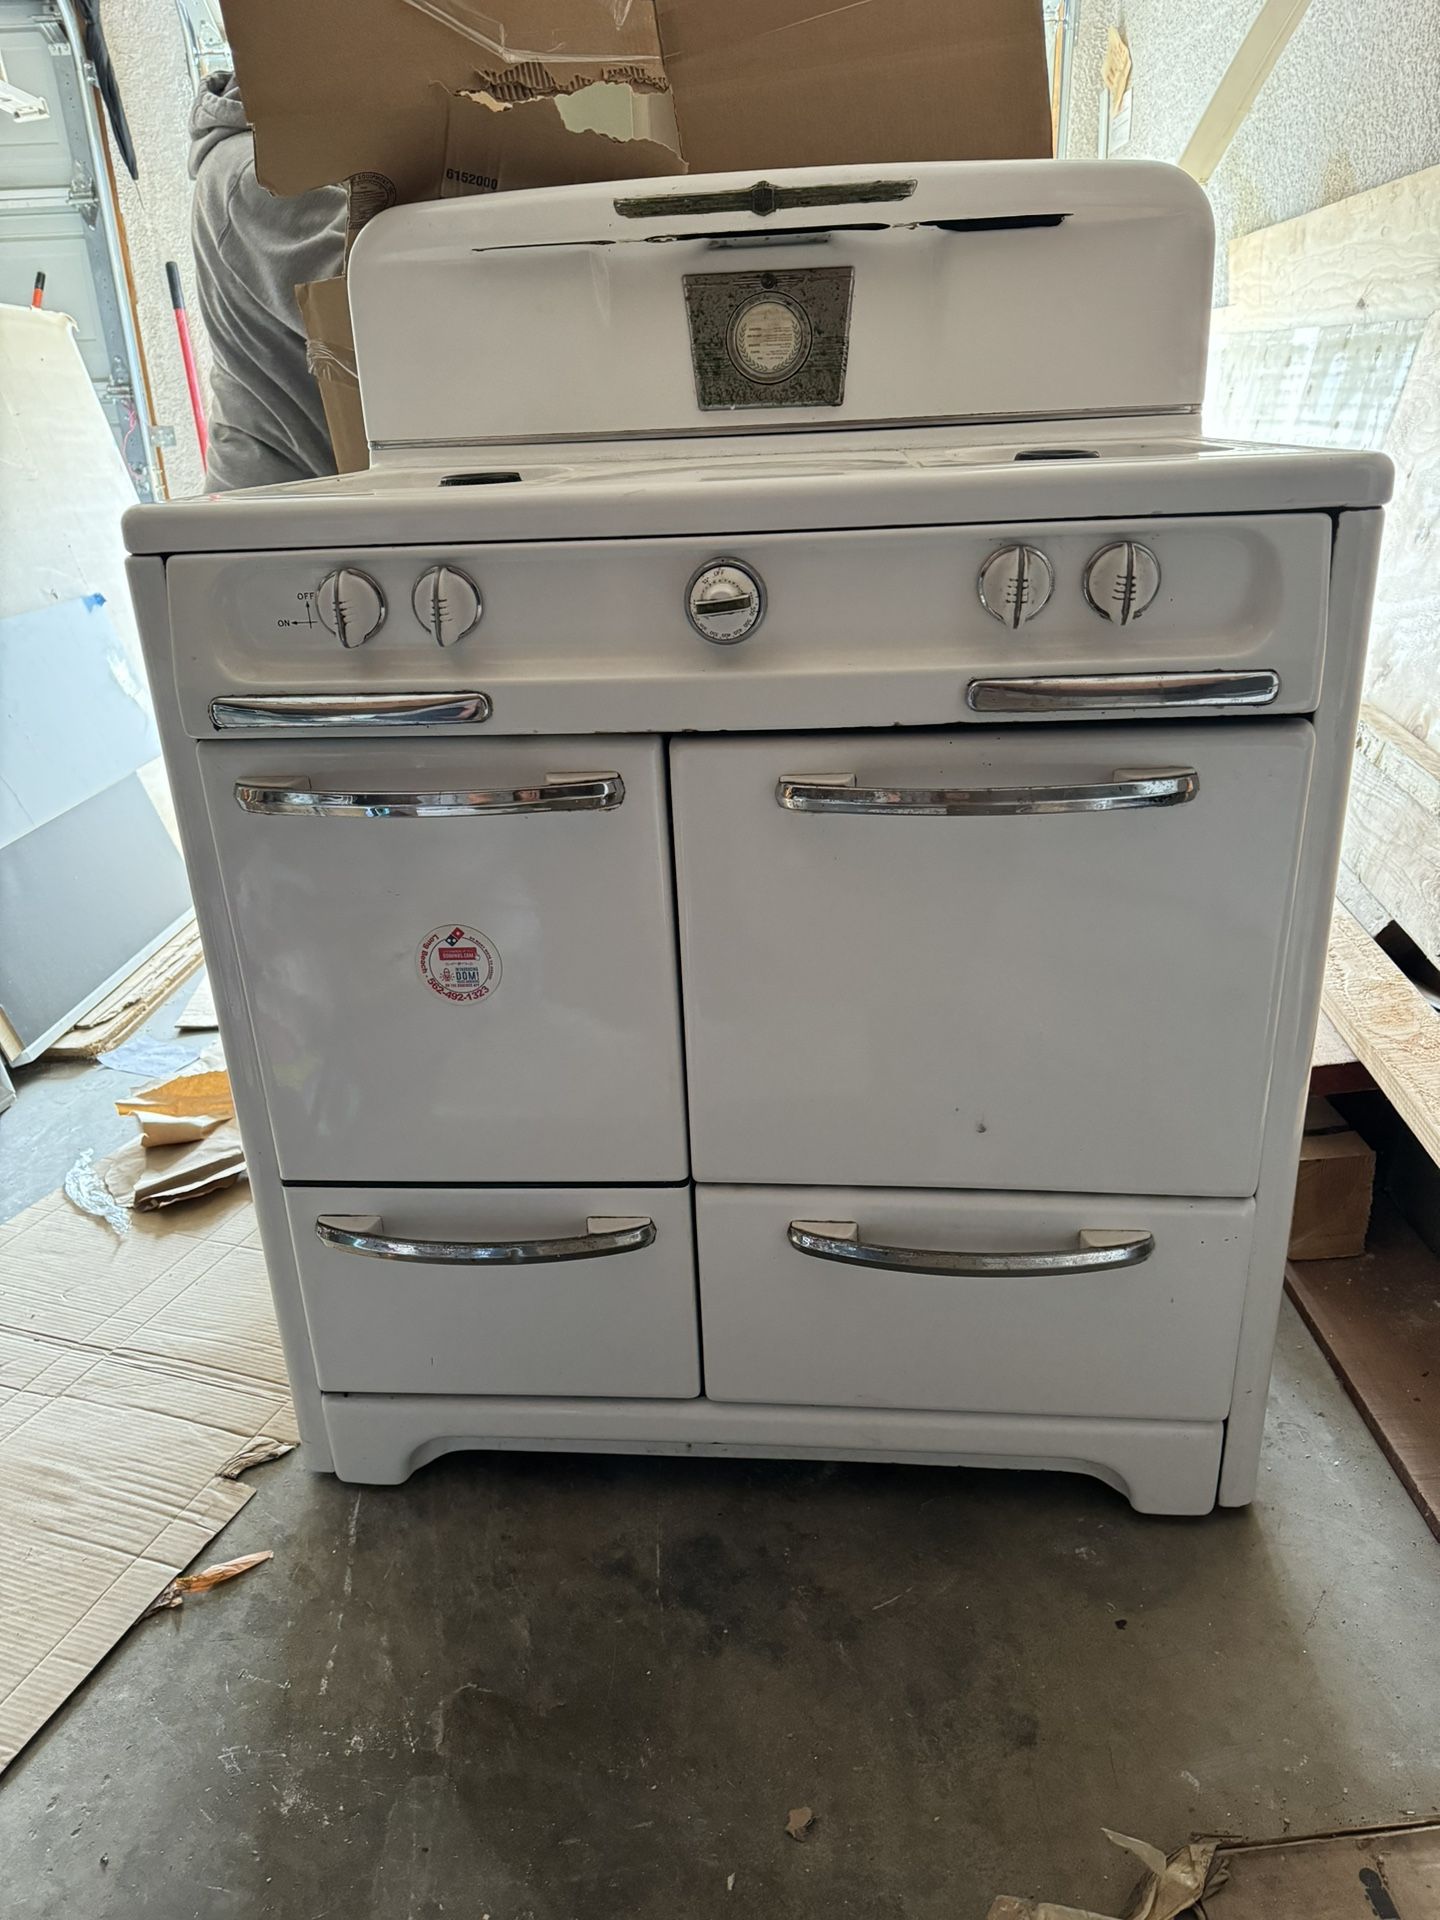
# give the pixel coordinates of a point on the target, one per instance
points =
(770, 338)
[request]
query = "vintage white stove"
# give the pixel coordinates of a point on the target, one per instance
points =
(766, 868)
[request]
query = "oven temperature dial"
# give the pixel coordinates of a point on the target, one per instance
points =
(447, 602)
(1014, 584)
(350, 605)
(725, 602)
(1121, 581)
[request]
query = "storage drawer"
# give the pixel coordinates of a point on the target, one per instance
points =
(1134, 1310)
(585, 1292)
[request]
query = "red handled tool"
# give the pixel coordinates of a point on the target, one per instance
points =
(187, 354)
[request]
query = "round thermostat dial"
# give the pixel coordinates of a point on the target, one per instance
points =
(446, 603)
(351, 605)
(1121, 581)
(725, 602)
(1014, 584)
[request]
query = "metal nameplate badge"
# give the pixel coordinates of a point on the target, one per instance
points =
(773, 338)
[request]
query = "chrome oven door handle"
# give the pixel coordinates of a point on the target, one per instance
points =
(604, 1234)
(1083, 692)
(363, 713)
(559, 793)
(1095, 1250)
(1127, 787)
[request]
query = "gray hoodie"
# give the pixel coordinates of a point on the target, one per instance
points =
(252, 249)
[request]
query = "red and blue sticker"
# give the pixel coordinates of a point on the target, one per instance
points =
(459, 963)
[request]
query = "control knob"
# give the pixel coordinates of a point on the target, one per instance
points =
(725, 602)
(447, 602)
(1121, 581)
(350, 605)
(1015, 583)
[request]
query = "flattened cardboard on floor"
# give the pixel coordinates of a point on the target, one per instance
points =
(133, 1372)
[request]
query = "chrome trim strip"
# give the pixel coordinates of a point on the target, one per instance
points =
(361, 711)
(360, 1233)
(561, 793)
(1080, 692)
(1129, 787)
(1095, 1250)
(717, 429)
(764, 198)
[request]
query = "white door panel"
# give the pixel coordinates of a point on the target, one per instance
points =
(1053, 1000)
(1153, 1338)
(541, 1045)
(595, 1299)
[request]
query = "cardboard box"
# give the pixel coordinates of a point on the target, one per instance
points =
(422, 99)
(340, 88)
(325, 312)
(1333, 1188)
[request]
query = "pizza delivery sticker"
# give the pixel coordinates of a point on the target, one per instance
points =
(459, 963)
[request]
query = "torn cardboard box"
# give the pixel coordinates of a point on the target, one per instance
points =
(422, 99)
(330, 351)
(339, 88)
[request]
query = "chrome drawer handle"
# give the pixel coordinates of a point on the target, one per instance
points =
(604, 1234)
(363, 712)
(1127, 787)
(562, 793)
(1076, 692)
(1096, 1250)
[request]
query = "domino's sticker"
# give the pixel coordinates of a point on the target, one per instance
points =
(459, 963)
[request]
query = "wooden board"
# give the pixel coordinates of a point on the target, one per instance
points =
(1333, 1066)
(1392, 835)
(1391, 1873)
(1393, 1029)
(130, 1004)
(1377, 1320)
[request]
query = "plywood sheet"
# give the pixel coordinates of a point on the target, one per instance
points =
(1376, 1317)
(1391, 1874)
(1390, 1024)
(132, 1371)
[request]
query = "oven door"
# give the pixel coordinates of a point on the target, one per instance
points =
(1040, 959)
(459, 958)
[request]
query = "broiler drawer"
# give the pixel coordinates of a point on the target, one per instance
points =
(568, 1291)
(976, 1302)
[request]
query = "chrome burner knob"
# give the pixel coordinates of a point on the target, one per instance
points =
(447, 602)
(1121, 581)
(1014, 584)
(350, 605)
(725, 602)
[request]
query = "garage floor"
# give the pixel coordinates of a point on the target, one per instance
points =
(542, 1688)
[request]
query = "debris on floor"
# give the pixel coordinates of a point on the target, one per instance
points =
(801, 1823)
(1170, 1888)
(198, 1014)
(188, 1146)
(202, 1582)
(149, 1368)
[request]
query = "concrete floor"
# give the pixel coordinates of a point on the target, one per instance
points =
(542, 1688)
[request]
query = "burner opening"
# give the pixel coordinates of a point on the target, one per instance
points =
(1058, 453)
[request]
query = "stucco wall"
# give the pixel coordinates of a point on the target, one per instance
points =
(1353, 101)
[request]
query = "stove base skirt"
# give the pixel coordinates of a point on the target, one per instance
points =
(1161, 1466)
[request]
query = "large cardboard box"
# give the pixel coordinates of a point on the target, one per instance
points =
(418, 99)
(340, 88)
